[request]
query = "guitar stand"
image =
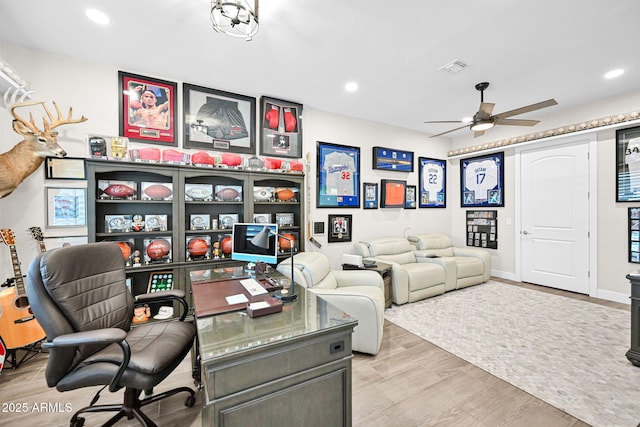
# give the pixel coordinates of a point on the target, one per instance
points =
(31, 351)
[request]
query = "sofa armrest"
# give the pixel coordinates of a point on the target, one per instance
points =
(346, 278)
(481, 254)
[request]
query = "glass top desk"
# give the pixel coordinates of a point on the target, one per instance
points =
(283, 369)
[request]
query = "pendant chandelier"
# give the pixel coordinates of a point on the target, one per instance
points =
(236, 18)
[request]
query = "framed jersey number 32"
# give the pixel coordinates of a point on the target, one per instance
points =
(338, 176)
(482, 180)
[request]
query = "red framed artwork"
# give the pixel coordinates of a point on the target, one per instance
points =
(393, 193)
(147, 109)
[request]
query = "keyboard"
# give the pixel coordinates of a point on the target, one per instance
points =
(253, 287)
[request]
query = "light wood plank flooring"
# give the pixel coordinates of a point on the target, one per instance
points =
(410, 382)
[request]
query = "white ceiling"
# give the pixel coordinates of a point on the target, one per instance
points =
(306, 50)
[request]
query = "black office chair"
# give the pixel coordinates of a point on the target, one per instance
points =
(79, 296)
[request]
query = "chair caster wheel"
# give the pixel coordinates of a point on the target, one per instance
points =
(78, 422)
(190, 401)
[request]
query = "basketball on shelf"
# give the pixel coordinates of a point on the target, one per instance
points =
(158, 249)
(125, 248)
(198, 247)
(286, 244)
(226, 245)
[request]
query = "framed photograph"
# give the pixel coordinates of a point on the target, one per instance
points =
(65, 168)
(433, 183)
(410, 197)
(392, 160)
(634, 235)
(218, 120)
(482, 180)
(66, 207)
(338, 176)
(280, 128)
(370, 195)
(628, 164)
(393, 193)
(147, 109)
(339, 228)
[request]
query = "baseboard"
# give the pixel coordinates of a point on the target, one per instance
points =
(613, 296)
(504, 275)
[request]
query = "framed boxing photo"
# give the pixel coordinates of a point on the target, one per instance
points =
(218, 120)
(280, 128)
(338, 176)
(628, 164)
(148, 109)
(482, 180)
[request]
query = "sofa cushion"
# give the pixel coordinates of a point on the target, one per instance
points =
(469, 266)
(388, 246)
(438, 244)
(424, 275)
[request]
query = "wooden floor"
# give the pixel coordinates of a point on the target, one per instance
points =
(410, 382)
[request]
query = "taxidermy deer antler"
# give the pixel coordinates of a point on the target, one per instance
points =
(27, 156)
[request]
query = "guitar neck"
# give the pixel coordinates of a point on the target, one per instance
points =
(17, 273)
(41, 246)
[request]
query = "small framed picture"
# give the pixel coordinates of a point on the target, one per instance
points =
(117, 190)
(200, 221)
(370, 192)
(228, 193)
(198, 192)
(156, 190)
(339, 228)
(66, 207)
(410, 197)
(226, 220)
(155, 222)
(262, 218)
(285, 219)
(65, 168)
(117, 223)
(157, 250)
(393, 193)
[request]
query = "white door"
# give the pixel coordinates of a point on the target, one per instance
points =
(555, 217)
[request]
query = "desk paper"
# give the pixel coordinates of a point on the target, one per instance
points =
(259, 305)
(236, 299)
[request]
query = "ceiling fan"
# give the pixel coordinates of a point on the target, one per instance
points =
(483, 120)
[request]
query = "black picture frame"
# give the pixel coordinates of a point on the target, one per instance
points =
(393, 193)
(628, 164)
(280, 128)
(218, 120)
(634, 235)
(391, 159)
(410, 197)
(432, 182)
(339, 228)
(154, 125)
(482, 181)
(73, 168)
(338, 176)
(370, 195)
(482, 229)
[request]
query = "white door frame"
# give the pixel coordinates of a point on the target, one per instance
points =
(590, 139)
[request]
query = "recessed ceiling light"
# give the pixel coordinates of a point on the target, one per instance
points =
(614, 73)
(351, 87)
(98, 17)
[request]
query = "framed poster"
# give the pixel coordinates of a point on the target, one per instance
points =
(433, 183)
(410, 197)
(339, 228)
(628, 165)
(370, 195)
(147, 109)
(634, 235)
(66, 207)
(392, 193)
(392, 160)
(280, 128)
(217, 120)
(65, 168)
(338, 176)
(482, 180)
(482, 229)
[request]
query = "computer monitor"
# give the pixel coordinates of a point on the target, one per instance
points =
(255, 243)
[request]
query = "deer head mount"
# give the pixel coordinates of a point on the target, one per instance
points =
(27, 156)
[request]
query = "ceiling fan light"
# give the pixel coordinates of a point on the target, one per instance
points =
(482, 125)
(236, 18)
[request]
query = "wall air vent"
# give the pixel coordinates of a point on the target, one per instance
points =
(454, 66)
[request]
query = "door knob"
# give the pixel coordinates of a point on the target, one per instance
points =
(525, 232)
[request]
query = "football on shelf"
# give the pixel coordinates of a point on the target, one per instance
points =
(199, 193)
(262, 195)
(158, 249)
(226, 245)
(158, 191)
(227, 194)
(285, 194)
(286, 244)
(119, 191)
(198, 247)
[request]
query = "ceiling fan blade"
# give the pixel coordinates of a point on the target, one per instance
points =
(522, 110)
(516, 122)
(452, 130)
(486, 108)
(444, 121)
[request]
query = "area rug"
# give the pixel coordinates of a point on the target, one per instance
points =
(567, 352)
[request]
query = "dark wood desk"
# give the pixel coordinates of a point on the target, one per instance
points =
(283, 369)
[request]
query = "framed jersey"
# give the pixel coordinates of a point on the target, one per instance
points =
(433, 183)
(338, 176)
(482, 180)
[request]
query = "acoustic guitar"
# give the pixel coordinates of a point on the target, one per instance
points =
(18, 325)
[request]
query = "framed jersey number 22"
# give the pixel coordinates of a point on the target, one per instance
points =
(482, 180)
(433, 183)
(338, 176)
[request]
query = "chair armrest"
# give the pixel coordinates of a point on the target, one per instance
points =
(168, 295)
(98, 336)
(346, 278)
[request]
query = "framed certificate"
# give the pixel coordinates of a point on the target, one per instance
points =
(482, 180)
(433, 183)
(338, 176)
